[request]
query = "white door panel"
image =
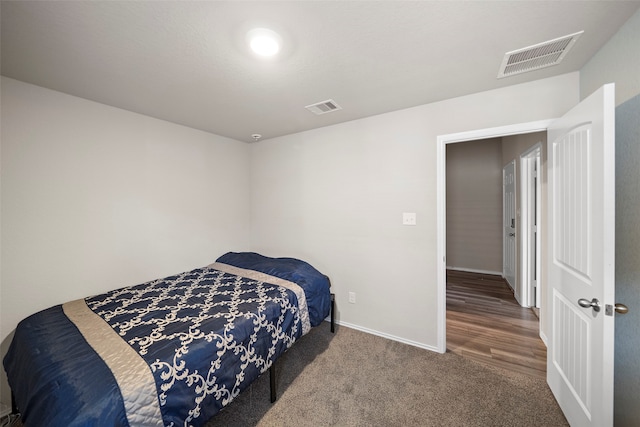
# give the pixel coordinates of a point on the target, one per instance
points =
(509, 260)
(581, 179)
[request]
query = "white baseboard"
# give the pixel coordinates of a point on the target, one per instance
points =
(388, 336)
(474, 270)
(543, 337)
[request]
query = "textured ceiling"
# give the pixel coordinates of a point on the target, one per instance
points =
(187, 62)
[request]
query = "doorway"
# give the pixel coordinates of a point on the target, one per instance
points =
(488, 319)
(443, 140)
(531, 196)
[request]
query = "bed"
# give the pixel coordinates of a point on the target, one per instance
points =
(172, 351)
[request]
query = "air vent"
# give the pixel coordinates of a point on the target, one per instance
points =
(323, 107)
(537, 56)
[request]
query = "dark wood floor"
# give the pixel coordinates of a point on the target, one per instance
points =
(485, 323)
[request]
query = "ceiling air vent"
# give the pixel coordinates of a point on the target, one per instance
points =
(537, 56)
(323, 107)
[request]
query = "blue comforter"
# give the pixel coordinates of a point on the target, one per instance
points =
(314, 283)
(173, 351)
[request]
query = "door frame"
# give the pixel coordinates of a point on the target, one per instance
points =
(531, 205)
(441, 206)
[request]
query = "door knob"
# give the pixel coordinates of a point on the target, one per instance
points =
(594, 303)
(618, 308)
(621, 309)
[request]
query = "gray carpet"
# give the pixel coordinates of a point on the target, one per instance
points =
(351, 378)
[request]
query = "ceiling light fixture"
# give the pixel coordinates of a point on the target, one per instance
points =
(264, 41)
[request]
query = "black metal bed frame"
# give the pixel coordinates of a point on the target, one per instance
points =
(272, 371)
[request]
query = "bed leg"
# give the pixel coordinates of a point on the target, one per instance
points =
(14, 407)
(333, 313)
(272, 382)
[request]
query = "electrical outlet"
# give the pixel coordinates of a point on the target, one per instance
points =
(352, 297)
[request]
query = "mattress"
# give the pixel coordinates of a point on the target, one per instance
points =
(172, 351)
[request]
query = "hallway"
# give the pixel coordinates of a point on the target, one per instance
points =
(486, 324)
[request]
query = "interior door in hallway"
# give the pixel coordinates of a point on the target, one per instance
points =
(509, 225)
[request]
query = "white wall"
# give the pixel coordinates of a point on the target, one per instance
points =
(335, 197)
(474, 205)
(95, 198)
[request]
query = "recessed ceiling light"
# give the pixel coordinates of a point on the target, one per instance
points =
(264, 42)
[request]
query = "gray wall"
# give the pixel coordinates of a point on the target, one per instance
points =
(619, 62)
(474, 205)
(627, 359)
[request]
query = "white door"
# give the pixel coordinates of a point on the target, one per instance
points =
(509, 260)
(581, 167)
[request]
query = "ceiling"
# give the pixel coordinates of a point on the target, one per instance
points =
(188, 63)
